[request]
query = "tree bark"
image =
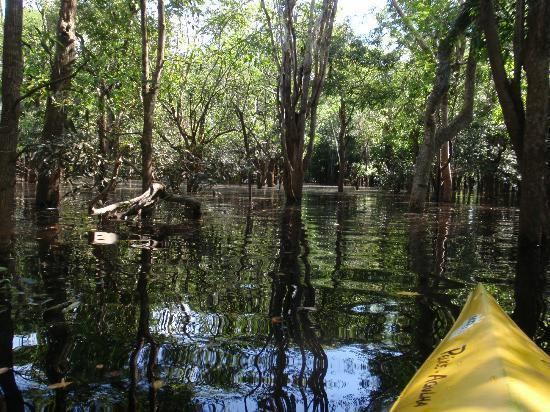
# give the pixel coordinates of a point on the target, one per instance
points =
(12, 76)
(49, 174)
(445, 173)
(433, 137)
(343, 139)
(533, 226)
(510, 102)
(271, 172)
(144, 203)
(149, 88)
(527, 125)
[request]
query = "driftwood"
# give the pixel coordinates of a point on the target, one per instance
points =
(145, 202)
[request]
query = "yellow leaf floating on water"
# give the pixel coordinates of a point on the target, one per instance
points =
(157, 384)
(406, 293)
(59, 385)
(4, 370)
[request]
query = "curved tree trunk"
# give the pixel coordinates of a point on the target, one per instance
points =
(49, 175)
(434, 137)
(144, 203)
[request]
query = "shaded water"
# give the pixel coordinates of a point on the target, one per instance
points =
(331, 307)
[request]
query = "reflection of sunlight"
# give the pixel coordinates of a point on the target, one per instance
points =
(21, 341)
(348, 382)
(212, 358)
(104, 238)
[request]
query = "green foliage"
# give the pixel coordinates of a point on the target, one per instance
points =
(219, 63)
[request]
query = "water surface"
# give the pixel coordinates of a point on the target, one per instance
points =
(255, 307)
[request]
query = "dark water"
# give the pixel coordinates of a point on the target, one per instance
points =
(331, 307)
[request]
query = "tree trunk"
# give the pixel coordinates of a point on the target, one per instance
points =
(533, 227)
(434, 137)
(150, 84)
(144, 203)
(527, 126)
(445, 174)
(300, 82)
(271, 173)
(12, 76)
(342, 141)
(102, 131)
(147, 143)
(49, 174)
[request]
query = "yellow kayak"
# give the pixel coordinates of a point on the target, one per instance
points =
(485, 363)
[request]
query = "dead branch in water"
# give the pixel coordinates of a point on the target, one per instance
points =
(144, 202)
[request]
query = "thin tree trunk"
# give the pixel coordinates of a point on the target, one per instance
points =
(102, 128)
(344, 119)
(49, 175)
(271, 173)
(446, 189)
(12, 76)
(149, 88)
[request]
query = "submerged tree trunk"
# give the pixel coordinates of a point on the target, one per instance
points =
(534, 208)
(144, 203)
(300, 81)
(271, 172)
(49, 173)
(446, 189)
(106, 148)
(445, 173)
(12, 76)
(149, 89)
(343, 140)
(434, 137)
(527, 125)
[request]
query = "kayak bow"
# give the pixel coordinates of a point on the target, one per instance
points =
(485, 363)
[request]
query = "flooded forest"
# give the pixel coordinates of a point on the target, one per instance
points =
(271, 205)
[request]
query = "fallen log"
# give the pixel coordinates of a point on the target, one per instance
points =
(145, 202)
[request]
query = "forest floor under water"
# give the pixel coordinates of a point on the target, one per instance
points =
(331, 306)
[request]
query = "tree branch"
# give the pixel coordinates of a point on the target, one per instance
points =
(407, 22)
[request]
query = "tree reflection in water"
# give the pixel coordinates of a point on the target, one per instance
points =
(12, 399)
(144, 336)
(292, 300)
(54, 272)
(530, 286)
